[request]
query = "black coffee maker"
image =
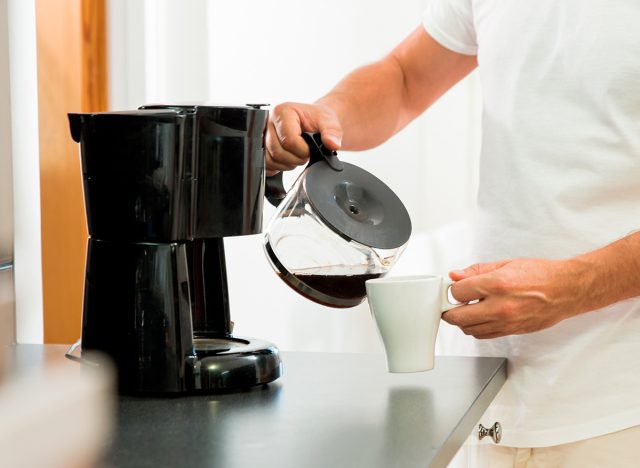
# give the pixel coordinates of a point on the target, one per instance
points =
(163, 185)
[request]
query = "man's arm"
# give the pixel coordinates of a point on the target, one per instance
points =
(527, 295)
(370, 104)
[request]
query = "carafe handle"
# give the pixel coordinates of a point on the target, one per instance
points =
(318, 152)
(274, 188)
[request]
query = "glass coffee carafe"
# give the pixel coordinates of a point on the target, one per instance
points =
(337, 227)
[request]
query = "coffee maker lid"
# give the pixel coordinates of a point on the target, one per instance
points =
(358, 205)
(204, 109)
(237, 121)
(226, 121)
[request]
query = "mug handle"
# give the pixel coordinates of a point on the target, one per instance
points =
(446, 299)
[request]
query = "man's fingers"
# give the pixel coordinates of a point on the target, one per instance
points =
(285, 146)
(476, 320)
(472, 289)
(477, 269)
(287, 128)
(488, 335)
(480, 281)
(483, 331)
(278, 158)
(289, 122)
(467, 315)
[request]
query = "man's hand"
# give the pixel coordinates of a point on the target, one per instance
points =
(285, 147)
(526, 295)
(517, 296)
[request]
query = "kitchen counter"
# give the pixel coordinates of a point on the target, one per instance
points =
(327, 410)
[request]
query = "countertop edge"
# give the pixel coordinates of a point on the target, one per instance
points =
(461, 432)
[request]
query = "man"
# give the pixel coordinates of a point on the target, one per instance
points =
(559, 199)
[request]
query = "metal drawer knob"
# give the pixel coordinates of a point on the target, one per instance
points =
(495, 432)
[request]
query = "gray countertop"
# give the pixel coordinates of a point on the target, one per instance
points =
(327, 410)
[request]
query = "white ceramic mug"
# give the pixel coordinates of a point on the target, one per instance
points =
(407, 311)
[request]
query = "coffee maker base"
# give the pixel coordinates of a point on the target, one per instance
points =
(231, 363)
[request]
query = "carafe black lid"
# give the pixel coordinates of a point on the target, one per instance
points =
(358, 205)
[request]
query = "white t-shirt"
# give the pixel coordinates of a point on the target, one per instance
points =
(559, 176)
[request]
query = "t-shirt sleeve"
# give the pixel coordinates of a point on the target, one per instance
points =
(450, 22)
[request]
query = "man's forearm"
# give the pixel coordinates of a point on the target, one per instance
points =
(376, 101)
(609, 274)
(369, 104)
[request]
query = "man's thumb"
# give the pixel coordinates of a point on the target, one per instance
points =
(332, 138)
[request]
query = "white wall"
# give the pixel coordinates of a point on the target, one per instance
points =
(7, 300)
(223, 52)
(6, 184)
(23, 108)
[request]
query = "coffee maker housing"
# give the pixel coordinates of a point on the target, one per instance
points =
(163, 185)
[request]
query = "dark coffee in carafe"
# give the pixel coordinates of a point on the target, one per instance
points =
(349, 287)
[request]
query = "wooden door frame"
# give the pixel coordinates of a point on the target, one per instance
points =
(72, 77)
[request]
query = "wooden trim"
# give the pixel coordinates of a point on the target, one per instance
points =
(71, 41)
(94, 56)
